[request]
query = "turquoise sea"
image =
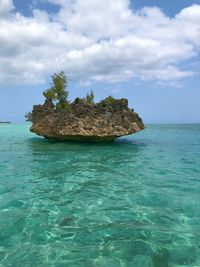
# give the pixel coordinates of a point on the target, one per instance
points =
(134, 202)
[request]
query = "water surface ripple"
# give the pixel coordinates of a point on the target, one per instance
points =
(134, 202)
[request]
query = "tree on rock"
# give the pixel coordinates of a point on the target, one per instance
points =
(89, 98)
(50, 97)
(58, 93)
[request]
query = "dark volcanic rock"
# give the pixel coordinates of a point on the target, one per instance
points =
(103, 121)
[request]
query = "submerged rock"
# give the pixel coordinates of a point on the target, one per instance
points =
(82, 121)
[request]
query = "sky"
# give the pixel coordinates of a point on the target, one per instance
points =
(147, 51)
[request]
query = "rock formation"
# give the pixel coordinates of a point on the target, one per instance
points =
(83, 121)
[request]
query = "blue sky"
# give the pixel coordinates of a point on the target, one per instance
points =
(146, 51)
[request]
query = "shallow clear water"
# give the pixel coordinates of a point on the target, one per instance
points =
(134, 202)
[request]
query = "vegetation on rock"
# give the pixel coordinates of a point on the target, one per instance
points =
(83, 118)
(109, 100)
(89, 98)
(57, 94)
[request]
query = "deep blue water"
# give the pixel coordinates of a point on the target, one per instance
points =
(134, 202)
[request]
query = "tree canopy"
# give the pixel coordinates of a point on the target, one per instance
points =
(57, 93)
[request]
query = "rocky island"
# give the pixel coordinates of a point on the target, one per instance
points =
(82, 119)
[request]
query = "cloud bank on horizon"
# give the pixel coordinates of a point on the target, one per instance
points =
(97, 41)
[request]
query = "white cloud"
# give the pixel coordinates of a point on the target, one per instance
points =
(5, 7)
(97, 41)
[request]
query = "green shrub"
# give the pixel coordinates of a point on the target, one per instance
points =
(63, 106)
(89, 98)
(110, 99)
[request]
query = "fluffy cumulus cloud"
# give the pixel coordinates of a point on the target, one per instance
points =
(97, 41)
(5, 7)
